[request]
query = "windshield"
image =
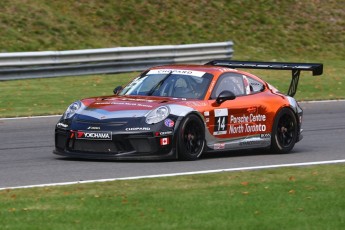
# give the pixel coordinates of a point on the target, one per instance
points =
(170, 83)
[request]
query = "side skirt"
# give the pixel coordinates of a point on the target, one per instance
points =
(256, 141)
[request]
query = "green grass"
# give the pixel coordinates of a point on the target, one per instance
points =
(53, 95)
(259, 29)
(288, 198)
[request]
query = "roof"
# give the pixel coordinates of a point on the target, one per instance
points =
(204, 68)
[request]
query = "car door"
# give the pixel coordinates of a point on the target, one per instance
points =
(239, 118)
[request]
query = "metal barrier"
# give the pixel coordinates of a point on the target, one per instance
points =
(44, 64)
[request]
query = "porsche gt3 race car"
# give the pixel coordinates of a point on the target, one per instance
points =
(182, 111)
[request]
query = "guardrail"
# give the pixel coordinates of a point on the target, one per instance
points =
(45, 64)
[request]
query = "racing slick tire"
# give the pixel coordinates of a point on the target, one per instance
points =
(284, 133)
(191, 138)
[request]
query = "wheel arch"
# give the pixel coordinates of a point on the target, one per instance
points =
(293, 107)
(296, 109)
(277, 147)
(177, 127)
(289, 108)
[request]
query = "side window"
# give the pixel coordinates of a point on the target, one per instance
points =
(255, 86)
(231, 82)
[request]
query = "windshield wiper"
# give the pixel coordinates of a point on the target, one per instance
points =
(159, 84)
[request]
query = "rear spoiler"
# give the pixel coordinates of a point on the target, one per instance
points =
(316, 68)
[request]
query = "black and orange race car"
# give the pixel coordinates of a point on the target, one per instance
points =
(182, 111)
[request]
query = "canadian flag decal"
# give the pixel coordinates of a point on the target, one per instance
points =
(165, 141)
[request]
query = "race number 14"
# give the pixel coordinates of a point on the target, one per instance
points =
(221, 121)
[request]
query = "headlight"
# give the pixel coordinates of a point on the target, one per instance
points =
(157, 115)
(72, 109)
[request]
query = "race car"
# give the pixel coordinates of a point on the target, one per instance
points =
(182, 111)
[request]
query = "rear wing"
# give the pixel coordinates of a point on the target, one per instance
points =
(316, 68)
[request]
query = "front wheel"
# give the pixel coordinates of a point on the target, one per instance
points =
(191, 138)
(284, 133)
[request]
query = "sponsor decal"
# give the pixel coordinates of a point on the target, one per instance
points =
(207, 119)
(256, 142)
(255, 84)
(265, 135)
(59, 125)
(220, 112)
(124, 103)
(247, 128)
(93, 128)
(247, 143)
(247, 123)
(207, 113)
(218, 146)
(165, 133)
(138, 129)
(164, 141)
(251, 110)
(169, 123)
(196, 103)
(134, 99)
(246, 119)
(221, 121)
(177, 71)
(93, 135)
(244, 123)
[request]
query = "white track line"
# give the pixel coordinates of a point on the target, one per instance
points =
(34, 117)
(181, 174)
(322, 101)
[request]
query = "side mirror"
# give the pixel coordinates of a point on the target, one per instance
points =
(224, 96)
(117, 90)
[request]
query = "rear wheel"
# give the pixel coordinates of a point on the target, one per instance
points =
(191, 138)
(284, 133)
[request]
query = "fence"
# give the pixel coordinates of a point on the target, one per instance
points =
(44, 64)
(23, 65)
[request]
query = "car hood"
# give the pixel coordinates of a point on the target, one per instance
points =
(121, 106)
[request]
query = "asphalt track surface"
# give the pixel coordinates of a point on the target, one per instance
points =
(26, 152)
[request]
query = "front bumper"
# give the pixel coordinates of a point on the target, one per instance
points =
(129, 146)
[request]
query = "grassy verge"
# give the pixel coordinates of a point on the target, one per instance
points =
(291, 27)
(289, 198)
(53, 95)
